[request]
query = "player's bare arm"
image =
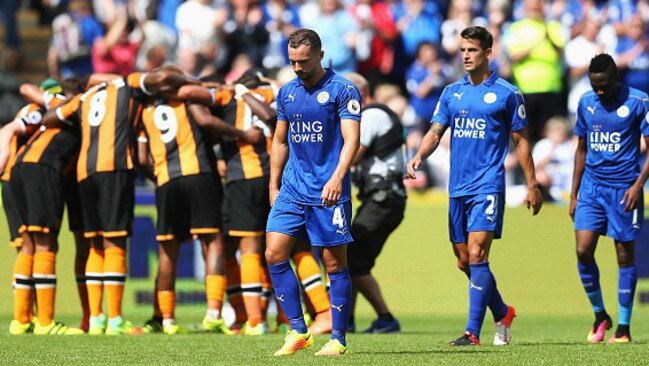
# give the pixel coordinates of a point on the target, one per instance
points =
(260, 109)
(577, 174)
(362, 149)
(162, 80)
(6, 134)
(32, 93)
(96, 79)
(145, 165)
(278, 158)
(428, 145)
(524, 154)
(351, 131)
(196, 94)
(633, 195)
(218, 127)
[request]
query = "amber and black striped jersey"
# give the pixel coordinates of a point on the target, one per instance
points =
(107, 113)
(53, 147)
(244, 160)
(30, 117)
(177, 144)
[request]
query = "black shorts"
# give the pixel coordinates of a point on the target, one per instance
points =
(187, 206)
(107, 201)
(11, 212)
(72, 202)
(38, 195)
(373, 223)
(248, 206)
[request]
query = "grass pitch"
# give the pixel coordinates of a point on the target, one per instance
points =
(534, 264)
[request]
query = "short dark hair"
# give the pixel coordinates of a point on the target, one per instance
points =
(305, 37)
(214, 77)
(251, 78)
(479, 33)
(73, 85)
(602, 63)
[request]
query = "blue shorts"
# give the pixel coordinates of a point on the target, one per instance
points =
(322, 226)
(599, 210)
(482, 212)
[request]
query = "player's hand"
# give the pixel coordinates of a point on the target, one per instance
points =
(534, 200)
(253, 135)
(413, 165)
(331, 192)
(573, 208)
(272, 195)
(631, 198)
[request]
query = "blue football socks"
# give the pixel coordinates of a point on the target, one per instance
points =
(287, 291)
(628, 277)
(480, 285)
(589, 274)
(340, 294)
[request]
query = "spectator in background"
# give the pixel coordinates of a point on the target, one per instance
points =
(621, 13)
(417, 25)
(425, 80)
(245, 32)
(553, 159)
(633, 55)
(73, 34)
(195, 34)
(116, 53)
(12, 55)
(376, 20)
(497, 21)
(160, 41)
(460, 16)
(593, 40)
(281, 18)
(338, 31)
(535, 47)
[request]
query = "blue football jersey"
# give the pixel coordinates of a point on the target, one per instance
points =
(612, 131)
(480, 118)
(314, 134)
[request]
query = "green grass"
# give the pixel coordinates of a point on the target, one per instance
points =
(534, 263)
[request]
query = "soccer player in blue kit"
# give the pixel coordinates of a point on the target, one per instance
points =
(606, 196)
(481, 110)
(316, 139)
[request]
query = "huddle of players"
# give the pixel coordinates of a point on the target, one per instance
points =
(177, 120)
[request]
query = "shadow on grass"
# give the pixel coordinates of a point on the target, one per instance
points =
(568, 343)
(426, 352)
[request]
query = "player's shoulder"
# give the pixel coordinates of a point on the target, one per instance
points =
(288, 87)
(637, 94)
(339, 84)
(587, 97)
(505, 87)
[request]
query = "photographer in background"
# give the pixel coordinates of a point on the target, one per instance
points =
(379, 167)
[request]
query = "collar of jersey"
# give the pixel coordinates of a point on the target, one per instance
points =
(489, 82)
(323, 80)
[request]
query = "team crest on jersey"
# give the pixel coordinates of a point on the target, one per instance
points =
(490, 98)
(323, 97)
(623, 111)
(522, 113)
(354, 107)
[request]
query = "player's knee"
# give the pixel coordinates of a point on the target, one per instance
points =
(625, 259)
(584, 254)
(274, 256)
(477, 255)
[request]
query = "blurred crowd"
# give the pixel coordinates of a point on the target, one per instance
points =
(407, 49)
